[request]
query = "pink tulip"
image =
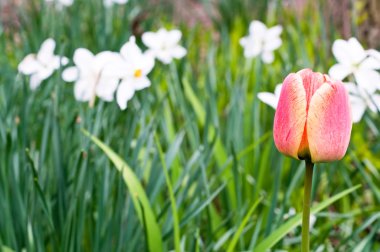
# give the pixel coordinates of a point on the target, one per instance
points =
(313, 118)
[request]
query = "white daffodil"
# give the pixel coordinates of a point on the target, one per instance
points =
(353, 59)
(41, 66)
(109, 3)
(271, 98)
(261, 41)
(133, 69)
(60, 3)
(360, 100)
(163, 45)
(374, 55)
(93, 75)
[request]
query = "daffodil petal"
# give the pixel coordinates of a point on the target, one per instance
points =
(268, 98)
(356, 51)
(70, 74)
(29, 65)
(149, 39)
(106, 87)
(267, 57)
(173, 37)
(84, 90)
(178, 52)
(257, 28)
(358, 108)
(368, 79)
(83, 58)
(339, 71)
(35, 81)
(141, 83)
(124, 93)
(46, 51)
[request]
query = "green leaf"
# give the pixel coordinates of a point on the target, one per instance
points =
(280, 232)
(138, 195)
(177, 234)
(237, 235)
(6, 249)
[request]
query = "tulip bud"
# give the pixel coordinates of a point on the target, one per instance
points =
(313, 118)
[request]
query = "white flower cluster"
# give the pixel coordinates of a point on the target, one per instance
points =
(41, 65)
(106, 73)
(353, 61)
(261, 41)
(66, 3)
(362, 64)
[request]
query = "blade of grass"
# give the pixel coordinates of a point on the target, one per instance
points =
(138, 195)
(236, 236)
(177, 235)
(6, 249)
(280, 232)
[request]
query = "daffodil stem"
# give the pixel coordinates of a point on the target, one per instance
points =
(306, 206)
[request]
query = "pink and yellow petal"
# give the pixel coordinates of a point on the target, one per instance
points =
(329, 123)
(290, 117)
(311, 82)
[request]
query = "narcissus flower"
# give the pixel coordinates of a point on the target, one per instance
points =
(132, 69)
(109, 3)
(353, 59)
(93, 75)
(41, 66)
(261, 41)
(360, 100)
(313, 117)
(60, 3)
(163, 45)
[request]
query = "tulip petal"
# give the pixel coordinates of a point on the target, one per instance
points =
(290, 117)
(329, 123)
(311, 82)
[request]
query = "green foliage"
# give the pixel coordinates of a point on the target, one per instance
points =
(196, 146)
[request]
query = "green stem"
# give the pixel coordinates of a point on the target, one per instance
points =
(306, 206)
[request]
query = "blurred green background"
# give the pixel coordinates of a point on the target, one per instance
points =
(60, 192)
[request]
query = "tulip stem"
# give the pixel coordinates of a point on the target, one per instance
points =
(306, 206)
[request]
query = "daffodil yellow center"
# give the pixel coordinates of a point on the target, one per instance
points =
(138, 73)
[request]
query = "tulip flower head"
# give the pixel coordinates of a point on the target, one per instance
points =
(313, 117)
(41, 66)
